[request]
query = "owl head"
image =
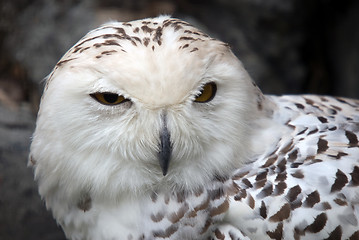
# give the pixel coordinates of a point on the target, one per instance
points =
(142, 106)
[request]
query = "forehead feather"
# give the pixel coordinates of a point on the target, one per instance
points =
(160, 54)
(152, 34)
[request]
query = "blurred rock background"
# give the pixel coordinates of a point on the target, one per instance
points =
(288, 46)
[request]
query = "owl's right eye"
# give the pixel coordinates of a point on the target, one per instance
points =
(107, 98)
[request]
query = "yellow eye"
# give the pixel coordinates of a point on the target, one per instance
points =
(108, 98)
(207, 94)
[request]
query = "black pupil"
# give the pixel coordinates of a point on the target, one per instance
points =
(110, 97)
(200, 93)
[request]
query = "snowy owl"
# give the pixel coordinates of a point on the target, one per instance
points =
(151, 129)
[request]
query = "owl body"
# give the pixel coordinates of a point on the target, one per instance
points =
(153, 130)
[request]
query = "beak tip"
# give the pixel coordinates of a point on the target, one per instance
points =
(164, 162)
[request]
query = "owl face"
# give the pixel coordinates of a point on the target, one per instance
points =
(142, 106)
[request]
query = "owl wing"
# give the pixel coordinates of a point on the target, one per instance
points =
(227, 231)
(307, 185)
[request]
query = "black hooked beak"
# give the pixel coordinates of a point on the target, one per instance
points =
(164, 154)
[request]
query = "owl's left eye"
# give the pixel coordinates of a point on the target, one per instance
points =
(109, 98)
(207, 94)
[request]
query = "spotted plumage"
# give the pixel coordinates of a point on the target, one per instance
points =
(153, 130)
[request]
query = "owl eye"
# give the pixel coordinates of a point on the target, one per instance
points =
(207, 93)
(109, 98)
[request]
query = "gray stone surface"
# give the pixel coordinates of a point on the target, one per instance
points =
(22, 214)
(45, 30)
